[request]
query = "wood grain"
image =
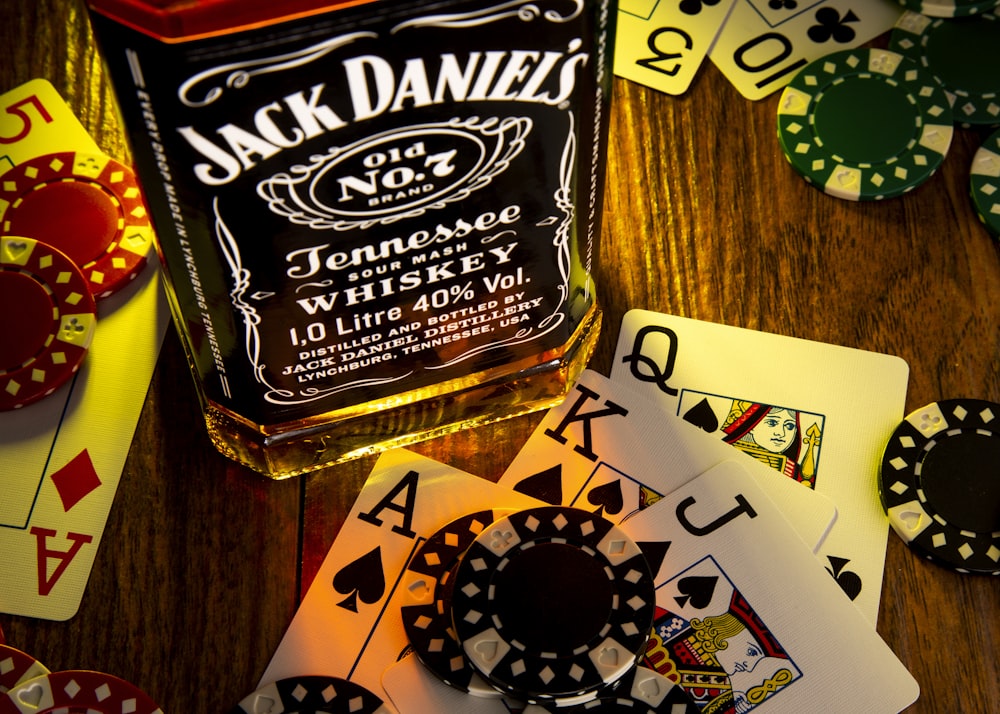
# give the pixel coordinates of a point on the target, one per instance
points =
(203, 563)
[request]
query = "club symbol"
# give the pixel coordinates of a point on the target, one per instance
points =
(73, 325)
(694, 7)
(832, 25)
(782, 4)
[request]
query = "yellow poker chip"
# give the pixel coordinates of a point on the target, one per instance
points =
(89, 206)
(47, 319)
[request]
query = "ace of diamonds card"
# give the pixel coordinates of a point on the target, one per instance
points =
(819, 414)
(61, 458)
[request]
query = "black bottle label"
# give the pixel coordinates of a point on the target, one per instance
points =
(363, 203)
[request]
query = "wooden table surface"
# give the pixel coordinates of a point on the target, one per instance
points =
(203, 562)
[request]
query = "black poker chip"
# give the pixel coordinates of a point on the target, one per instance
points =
(313, 694)
(552, 604)
(940, 484)
(643, 691)
(427, 586)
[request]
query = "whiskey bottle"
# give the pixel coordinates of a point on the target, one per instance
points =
(377, 221)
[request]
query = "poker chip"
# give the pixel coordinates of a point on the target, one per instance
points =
(949, 8)
(428, 583)
(17, 667)
(940, 485)
(644, 691)
(551, 604)
(77, 691)
(47, 319)
(962, 54)
(88, 206)
(984, 178)
(865, 124)
(314, 693)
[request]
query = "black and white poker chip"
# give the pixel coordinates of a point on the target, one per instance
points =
(940, 484)
(312, 694)
(426, 614)
(643, 691)
(552, 604)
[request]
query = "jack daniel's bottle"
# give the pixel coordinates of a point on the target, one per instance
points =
(377, 220)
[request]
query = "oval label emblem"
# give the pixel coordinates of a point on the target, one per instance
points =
(397, 174)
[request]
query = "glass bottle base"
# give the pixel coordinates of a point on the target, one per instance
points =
(291, 449)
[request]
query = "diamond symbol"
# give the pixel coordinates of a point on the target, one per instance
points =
(76, 480)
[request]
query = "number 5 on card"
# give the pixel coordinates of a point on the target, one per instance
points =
(34, 120)
(662, 43)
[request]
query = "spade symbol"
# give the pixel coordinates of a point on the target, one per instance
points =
(655, 552)
(608, 498)
(361, 579)
(848, 580)
(702, 415)
(696, 590)
(545, 485)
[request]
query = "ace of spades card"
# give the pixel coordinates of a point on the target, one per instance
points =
(746, 617)
(349, 623)
(611, 450)
(819, 414)
(765, 42)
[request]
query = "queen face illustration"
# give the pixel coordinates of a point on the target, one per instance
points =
(776, 431)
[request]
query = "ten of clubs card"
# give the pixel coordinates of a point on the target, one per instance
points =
(62, 457)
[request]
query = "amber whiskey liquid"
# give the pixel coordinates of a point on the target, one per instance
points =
(377, 220)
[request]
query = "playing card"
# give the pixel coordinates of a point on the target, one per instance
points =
(820, 414)
(747, 619)
(349, 622)
(62, 457)
(765, 43)
(34, 120)
(612, 451)
(662, 43)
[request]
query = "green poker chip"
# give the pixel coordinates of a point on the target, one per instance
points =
(964, 55)
(985, 183)
(949, 8)
(865, 124)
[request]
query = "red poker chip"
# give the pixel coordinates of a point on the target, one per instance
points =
(77, 691)
(89, 206)
(16, 667)
(47, 319)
